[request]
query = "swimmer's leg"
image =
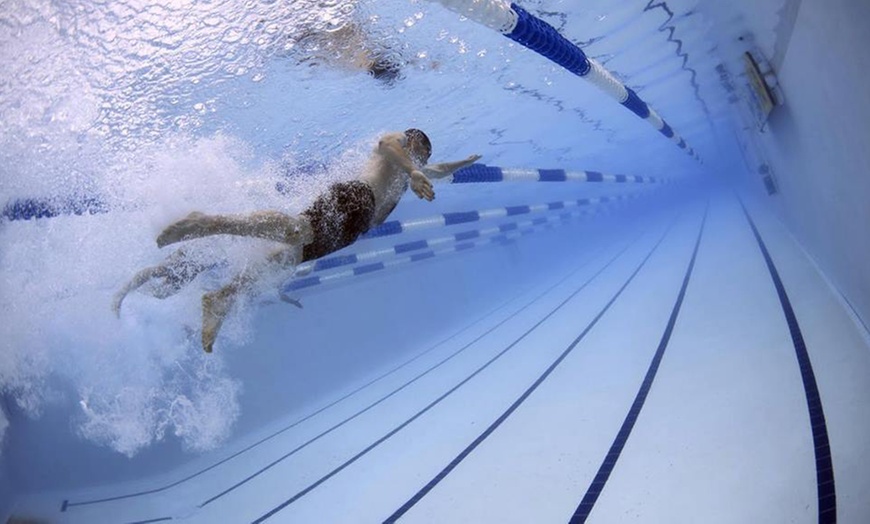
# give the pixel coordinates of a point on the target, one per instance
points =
(177, 277)
(178, 270)
(269, 225)
(137, 281)
(217, 304)
(215, 308)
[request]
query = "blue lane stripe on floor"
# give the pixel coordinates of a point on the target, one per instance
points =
(406, 384)
(432, 404)
(540, 380)
(594, 491)
(379, 401)
(824, 463)
(67, 504)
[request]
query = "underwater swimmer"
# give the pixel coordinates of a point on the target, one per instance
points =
(350, 47)
(335, 220)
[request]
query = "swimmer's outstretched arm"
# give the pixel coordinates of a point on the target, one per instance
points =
(444, 169)
(390, 146)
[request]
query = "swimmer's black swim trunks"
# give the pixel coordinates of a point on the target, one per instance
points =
(339, 217)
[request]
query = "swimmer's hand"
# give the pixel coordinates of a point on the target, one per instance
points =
(421, 186)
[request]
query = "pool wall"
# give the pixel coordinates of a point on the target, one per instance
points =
(816, 144)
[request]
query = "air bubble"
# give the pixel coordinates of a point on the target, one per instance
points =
(232, 36)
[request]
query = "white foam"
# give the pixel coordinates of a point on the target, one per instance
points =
(132, 382)
(119, 102)
(192, 398)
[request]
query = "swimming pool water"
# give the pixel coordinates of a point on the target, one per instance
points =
(671, 350)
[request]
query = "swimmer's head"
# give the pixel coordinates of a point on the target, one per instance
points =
(384, 69)
(418, 145)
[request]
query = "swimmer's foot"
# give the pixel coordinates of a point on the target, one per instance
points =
(117, 300)
(215, 307)
(191, 226)
(290, 300)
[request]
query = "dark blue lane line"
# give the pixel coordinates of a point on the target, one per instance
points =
(67, 504)
(824, 463)
(594, 491)
(504, 416)
(400, 388)
(466, 328)
(538, 297)
(381, 400)
(437, 401)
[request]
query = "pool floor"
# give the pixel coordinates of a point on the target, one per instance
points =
(662, 380)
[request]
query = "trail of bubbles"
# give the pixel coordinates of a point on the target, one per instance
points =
(134, 381)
